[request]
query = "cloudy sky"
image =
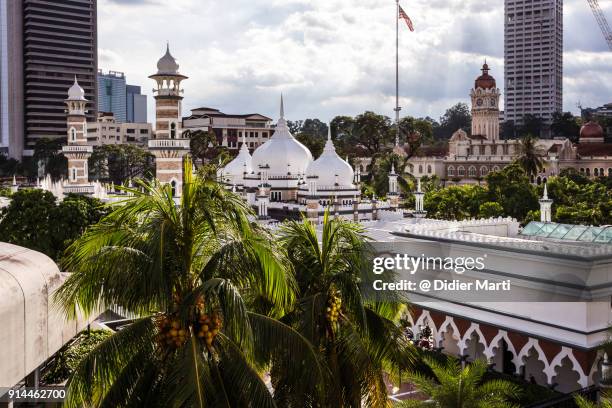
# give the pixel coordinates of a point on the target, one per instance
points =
(333, 57)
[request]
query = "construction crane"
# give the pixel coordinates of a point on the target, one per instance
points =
(601, 20)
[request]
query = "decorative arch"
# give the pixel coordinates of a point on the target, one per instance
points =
(73, 134)
(450, 171)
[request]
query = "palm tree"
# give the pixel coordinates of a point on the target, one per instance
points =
(458, 387)
(189, 272)
(530, 158)
(357, 337)
(582, 402)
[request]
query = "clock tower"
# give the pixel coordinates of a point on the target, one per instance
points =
(485, 106)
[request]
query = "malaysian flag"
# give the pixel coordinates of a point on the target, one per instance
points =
(404, 16)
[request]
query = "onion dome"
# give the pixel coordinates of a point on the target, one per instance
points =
(485, 81)
(282, 154)
(76, 93)
(167, 64)
(591, 130)
(242, 163)
(330, 168)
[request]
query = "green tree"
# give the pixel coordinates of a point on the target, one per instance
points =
(530, 155)
(456, 387)
(456, 117)
(47, 152)
(191, 272)
(510, 187)
(314, 127)
(357, 337)
(372, 131)
(204, 146)
(582, 402)
(532, 125)
(34, 220)
(25, 221)
(565, 125)
(490, 209)
(314, 143)
(118, 163)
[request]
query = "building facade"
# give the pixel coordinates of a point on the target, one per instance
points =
(533, 54)
(112, 95)
(107, 131)
(11, 79)
(230, 128)
(136, 105)
(471, 157)
(59, 42)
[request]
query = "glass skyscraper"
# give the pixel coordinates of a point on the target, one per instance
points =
(112, 94)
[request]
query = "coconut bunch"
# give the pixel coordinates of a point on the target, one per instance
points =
(208, 325)
(334, 307)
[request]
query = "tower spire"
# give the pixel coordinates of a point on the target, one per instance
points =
(282, 107)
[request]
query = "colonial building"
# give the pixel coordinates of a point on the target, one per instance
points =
(470, 158)
(169, 146)
(231, 128)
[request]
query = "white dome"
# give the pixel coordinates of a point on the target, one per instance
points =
(76, 93)
(282, 154)
(241, 163)
(330, 168)
(167, 64)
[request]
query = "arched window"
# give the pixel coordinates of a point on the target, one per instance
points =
(582, 169)
(460, 171)
(450, 171)
(472, 171)
(420, 168)
(429, 169)
(173, 186)
(588, 172)
(539, 180)
(172, 130)
(483, 171)
(601, 172)
(73, 174)
(596, 172)
(609, 171)
(495, 168)
(73, 134)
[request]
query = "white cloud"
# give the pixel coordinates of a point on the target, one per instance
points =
(333, 57)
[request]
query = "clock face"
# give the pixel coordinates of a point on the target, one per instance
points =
(479, 102)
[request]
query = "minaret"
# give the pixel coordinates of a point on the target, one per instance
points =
(14, 186)
(77, 151)
(169, 147)
(263, 199)
(393, 193)
(419, 208)
(545, 206)
(485, 105)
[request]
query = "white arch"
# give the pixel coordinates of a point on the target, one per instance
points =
(556, 362)
(443, 329)
(475, 328)
(502, 334)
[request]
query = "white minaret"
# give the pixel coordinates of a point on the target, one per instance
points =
(545, 206)
(169, 147)
(393, 192)
(14, 186)
(77, 151)
(419, 208)
(262, 199)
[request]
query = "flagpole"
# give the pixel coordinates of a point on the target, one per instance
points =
(397, 107)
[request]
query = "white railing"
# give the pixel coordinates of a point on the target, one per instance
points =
(169, 143)
(77, 149)
(78, 189)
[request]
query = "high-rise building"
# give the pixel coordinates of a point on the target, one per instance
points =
(59, 43)
(136, 105)
(11, 78)
(533, 53)
(112, 94)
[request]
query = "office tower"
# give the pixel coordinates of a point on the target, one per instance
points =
(112, 94)
(59, 43)
(11, 78)
(136, 105)
(533, 52)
